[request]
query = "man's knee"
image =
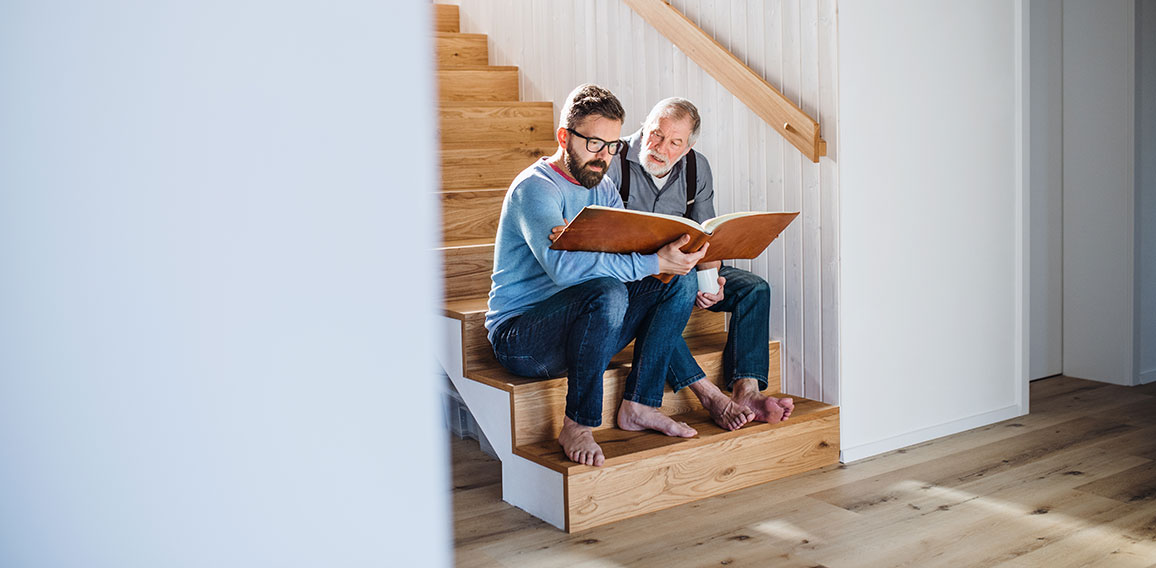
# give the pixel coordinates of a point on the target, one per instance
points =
(606, 297)
(686, 286)
(751, 285)
(762, 289)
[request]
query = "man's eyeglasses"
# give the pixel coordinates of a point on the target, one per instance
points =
(595, 145)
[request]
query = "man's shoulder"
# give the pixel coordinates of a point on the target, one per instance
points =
(535, 175)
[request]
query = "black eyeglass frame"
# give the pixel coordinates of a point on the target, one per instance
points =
(612, 147)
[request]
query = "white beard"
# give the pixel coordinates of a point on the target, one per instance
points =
(652, 167)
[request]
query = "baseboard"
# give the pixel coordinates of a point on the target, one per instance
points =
(1148, 377)
(870, 449)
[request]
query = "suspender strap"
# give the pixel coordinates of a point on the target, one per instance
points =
(691, 180)
(623, 173)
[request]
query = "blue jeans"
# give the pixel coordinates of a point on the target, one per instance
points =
(748, 298)
(578, 330)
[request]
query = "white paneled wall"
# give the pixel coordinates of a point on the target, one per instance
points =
(559, 44)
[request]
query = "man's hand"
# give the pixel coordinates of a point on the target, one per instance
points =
(704, 300)
(671, 260)
(558, 230)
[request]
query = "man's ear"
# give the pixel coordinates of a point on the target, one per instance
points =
(562, 135)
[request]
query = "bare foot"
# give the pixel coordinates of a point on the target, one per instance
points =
(578, 443)
(725, 412)
(766, 408)
(634, 417)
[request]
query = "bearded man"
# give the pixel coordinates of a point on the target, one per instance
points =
(554, 313)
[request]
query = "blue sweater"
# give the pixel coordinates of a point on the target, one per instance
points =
(526, 270)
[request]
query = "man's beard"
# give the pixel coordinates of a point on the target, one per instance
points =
(587, 177)
(652, 167)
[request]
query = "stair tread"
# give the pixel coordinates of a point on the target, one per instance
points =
(466, 308)
(484, 147)
(499, 377)
(451, 35)
(474, 190)
(492, 104)
(466, 243)
(621, 446)
(457, 68)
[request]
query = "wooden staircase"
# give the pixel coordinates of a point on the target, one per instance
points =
(488, 137)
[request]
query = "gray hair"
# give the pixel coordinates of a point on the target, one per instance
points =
(675, 108)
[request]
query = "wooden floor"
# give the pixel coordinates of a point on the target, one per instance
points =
(1071, 484)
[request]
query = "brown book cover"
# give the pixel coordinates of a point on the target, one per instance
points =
(735, 235)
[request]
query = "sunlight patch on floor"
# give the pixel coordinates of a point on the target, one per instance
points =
(782, 530)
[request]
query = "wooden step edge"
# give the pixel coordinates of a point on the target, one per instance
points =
(495, 104)
(452, 35)
(465, 308)
(458, 68)
(709, 343)
(621, 446)
(499, 146)
(465, 244)
(494, 190)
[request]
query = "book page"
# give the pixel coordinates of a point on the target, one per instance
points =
(711, 224)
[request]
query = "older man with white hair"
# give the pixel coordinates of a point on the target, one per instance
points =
(659, 172)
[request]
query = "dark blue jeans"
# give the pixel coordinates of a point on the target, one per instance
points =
(748, 299)
(578, 330)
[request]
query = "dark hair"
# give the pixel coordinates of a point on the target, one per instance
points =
(588, 100)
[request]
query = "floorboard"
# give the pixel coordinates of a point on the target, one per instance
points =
(1071, 484)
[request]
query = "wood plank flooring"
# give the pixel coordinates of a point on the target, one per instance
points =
(1071, 484)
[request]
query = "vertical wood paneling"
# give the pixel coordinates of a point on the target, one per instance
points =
(812, 243)
(558, 44)
(757, 190)
(829, 195)
(792, 201)
(773, 157)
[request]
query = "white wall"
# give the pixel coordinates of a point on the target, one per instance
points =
(1099, 200)
(1146, 186)
(201, 360)
(1046, 169)
(790, 43)
(932, 312)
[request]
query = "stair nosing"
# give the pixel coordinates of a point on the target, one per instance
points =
(468, 104)
(450, 35)
(504, 68)
(499, 145)
(706, 343)
(473, 190)
(479, 243)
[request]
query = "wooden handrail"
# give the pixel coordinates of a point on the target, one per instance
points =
(766, 101)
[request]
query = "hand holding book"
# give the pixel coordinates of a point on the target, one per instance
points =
(671, 259)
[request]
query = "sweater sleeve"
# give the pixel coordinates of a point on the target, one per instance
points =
(538, 208)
